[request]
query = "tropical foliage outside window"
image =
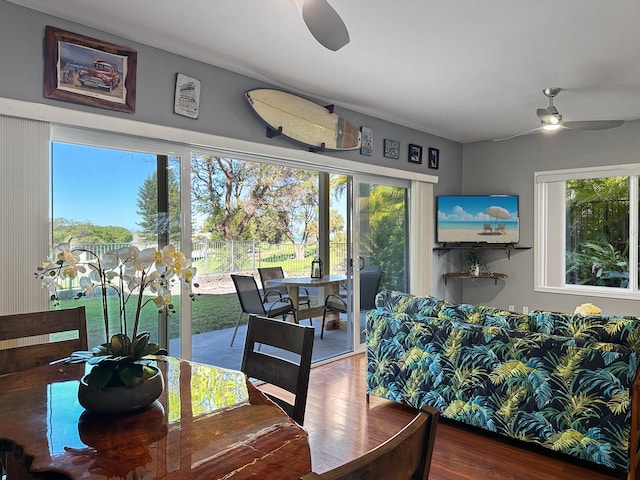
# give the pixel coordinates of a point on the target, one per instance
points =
(598, 232)
(587, 230)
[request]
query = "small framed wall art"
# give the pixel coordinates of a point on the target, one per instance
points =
(84, 70)
(187, 98)
(366, 146)
(415, 153)
(391, 148)
(434, 158)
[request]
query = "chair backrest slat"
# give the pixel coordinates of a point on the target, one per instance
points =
(405, 456)
(272, 273)
(248, 294)
(262, 363)
(24, 325)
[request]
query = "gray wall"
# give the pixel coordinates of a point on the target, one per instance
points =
(508, 167)
(223, 109)
(488, 167)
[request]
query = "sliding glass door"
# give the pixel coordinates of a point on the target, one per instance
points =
(381, 244)
(104, 199)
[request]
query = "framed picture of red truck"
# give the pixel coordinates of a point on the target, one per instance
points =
(84, 70)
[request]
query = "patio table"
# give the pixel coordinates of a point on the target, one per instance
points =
(294, 283)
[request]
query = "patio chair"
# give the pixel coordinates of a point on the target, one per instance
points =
(406, 455)
(292, 376)
(277, 291)
(370, 278)
(251, 302)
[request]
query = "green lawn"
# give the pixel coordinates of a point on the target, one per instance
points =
(209, 312)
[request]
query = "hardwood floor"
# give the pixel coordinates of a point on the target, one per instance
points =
(343, 426)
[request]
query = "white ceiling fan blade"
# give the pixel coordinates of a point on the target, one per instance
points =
(526, 132)
(325, 24)
(593, 124)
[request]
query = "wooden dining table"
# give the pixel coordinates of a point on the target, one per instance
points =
(209, 423)
(293, 284)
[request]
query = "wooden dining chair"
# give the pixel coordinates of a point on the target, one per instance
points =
(38, 338)
(251, 303)
(279, 291)
(291, 375)
(31, 339)
(405, 456)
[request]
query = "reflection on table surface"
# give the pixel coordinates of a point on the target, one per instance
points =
(209, 422)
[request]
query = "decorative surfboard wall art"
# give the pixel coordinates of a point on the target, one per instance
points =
(303, 121)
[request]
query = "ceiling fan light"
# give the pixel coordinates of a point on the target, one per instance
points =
(550, 127)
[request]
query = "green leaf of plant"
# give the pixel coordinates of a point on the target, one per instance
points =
(152, 349)
(99, 377)
(140, 345)
(131, 374)
(120, 344)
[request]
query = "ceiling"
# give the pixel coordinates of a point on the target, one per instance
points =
(466, 70)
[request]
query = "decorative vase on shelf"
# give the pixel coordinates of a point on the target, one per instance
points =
(121, 399)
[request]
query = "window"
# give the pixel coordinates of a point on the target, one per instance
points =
(587, 231)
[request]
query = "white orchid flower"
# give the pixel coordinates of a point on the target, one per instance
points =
(163, 299)
(127, 268)
(147, 257)
(189, 274)
(109, 261)
(167, 256)
(86, 284)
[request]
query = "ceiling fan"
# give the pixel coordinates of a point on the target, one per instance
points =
(551, 120)
(324, 23)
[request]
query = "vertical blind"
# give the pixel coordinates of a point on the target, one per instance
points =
(24, 213)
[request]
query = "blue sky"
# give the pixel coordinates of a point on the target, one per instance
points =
(99, 185)
(466, 208)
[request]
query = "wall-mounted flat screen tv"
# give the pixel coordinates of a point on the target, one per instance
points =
(478, 219)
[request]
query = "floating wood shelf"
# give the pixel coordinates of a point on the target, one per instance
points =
(467, 276)
(474, 246)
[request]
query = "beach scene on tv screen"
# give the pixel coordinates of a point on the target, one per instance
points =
(490, 218)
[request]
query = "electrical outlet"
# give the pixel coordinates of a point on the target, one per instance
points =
(525, 310)
(512, 308)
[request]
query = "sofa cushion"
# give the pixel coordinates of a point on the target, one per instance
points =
(624, 330)
(394, 301)
(484, 315)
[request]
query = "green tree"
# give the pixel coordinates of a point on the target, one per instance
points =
(148, 208)
(87, 232)
(387, 238)
(245, 200)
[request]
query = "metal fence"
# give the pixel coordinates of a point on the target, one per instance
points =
(246, 255)
(212, 256)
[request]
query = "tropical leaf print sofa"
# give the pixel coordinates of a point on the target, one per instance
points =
(563, 381)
